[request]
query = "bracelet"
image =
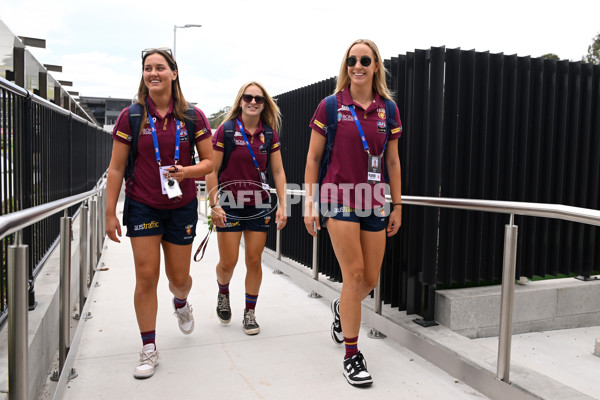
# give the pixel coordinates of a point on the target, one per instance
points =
(396, 204)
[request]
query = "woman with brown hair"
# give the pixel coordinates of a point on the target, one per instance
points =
(161, 205)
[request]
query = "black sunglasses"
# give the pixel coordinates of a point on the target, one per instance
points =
(365, 61)
(157, 50)
(248, 98)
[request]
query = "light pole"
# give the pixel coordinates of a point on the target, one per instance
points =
(175, 33)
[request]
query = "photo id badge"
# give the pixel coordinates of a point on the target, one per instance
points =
(169, 186)
(263, 181)
(374, 169)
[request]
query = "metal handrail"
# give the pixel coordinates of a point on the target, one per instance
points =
(17, 283)
(15, 221)
(556, 211)
(40, 100)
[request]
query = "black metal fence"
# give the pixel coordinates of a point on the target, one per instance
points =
(479, 126)
(47, 154)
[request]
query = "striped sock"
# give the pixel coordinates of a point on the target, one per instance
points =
(149, 337)
(251, 301)
(351, 346)
(179, 303)
(223, 289)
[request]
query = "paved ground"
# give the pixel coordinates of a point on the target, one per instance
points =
(292, 358)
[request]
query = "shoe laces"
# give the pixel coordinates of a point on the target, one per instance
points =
(358, 363)
(186, 315)
(223, 302)
(147, 357)
(250, 317)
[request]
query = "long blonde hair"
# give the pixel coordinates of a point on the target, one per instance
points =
(379, 83)
(180, 105)
(270, 113)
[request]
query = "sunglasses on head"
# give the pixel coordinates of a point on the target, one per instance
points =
(157, 50)
(365, 61)
(248, 98)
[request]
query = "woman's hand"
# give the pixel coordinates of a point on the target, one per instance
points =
(395, 220)
(176, 172)
(311, 219)
(280, 218)
(113, 228)
(218, 216)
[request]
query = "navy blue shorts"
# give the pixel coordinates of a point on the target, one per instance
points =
(247, 218)
(177, 226)
(374, 220)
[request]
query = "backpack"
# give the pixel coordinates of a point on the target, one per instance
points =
(135, 121)
(229, 143)
(332, 111)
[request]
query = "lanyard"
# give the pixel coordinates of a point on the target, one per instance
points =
(362, 134)
(248, 144)
(155, 138)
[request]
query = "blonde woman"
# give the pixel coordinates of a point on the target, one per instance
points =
(352, 193)
(239, 194)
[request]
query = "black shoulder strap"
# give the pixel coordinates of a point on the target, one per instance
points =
(135, 122)
(390, 113)
(268, 142)
(190, 126)
(330, 129)
(228, 142)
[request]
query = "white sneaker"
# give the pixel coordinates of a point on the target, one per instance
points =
(148, 361)
(185, 318)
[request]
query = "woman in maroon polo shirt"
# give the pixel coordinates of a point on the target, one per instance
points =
(160, 196)
(352, 194)
(239, 193)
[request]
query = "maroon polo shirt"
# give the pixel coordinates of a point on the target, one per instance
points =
(240, 173)
(348, 162)
(144, 185)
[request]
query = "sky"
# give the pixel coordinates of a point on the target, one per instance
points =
(282, 44)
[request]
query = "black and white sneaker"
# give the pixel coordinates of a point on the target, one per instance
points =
(336, 326)
(249, 323)
(355, 371)
(223, 308)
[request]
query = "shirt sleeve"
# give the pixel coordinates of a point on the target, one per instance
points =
(319, 119)
(202, 126)
(275, 144)
(219, 139)
(122, 130)
(396, 132)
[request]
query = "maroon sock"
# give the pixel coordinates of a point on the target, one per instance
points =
(251, 301)
(179, 303)
(223, 289)
(351, 346)
(149, 337)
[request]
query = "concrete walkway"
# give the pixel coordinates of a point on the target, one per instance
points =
(293, 357)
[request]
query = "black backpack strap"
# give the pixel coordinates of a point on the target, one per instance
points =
(390, 113)
(190, 126)
(330, 129)
(135, 121)
(228, 142)
(268, 142)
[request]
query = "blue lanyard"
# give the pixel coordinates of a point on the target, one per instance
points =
(248, 144)
(362, 134)
(155, 138)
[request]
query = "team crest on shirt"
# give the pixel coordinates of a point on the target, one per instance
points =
(183, 135)
(262, 137)
(381, 127)
(339, 116)
(381, 113)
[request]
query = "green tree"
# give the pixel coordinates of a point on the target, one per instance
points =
(551, 56)
(216, 118)
(593, 55)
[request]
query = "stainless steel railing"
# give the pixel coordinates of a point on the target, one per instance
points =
(17, 276)
(556, 211)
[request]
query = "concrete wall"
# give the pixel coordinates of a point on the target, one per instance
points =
(538, 306)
